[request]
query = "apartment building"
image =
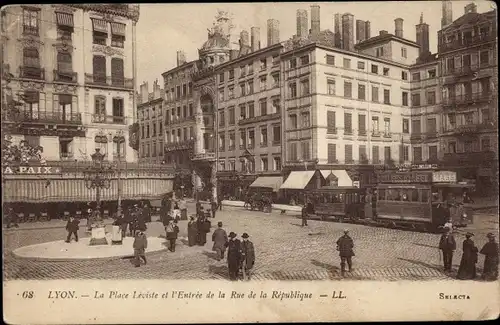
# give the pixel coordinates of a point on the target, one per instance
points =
(150, 115)
(249, 114)
(467, 49)
(73, 68)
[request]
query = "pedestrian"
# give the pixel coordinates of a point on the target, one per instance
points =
(140, 245)
(72, 228)
(132, 222)
(219, 202)
(203, 228)
(183, 207)
(141, 221)
(89, 218)
(177, 211)
(122, 221)
(192, 231)
(213, 206)
(368, 204)
(467, 269)
(490, 252)
(199, 208)
(146, 212)
(219, 237)
(233, 256)
(12, 218)
(304, 215)
(448, 246)
(247, 256)
(345, 246)
(172, 230)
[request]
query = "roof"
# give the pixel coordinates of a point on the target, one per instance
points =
(384, 38)
(215, 42)
(472, 18)
(183, 66)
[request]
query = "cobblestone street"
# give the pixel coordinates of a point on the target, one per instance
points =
(284, 250)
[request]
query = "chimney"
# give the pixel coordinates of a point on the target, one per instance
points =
(315, 20)
(255, 38)
(470, 8)
(233, 54)
(181, 58)
(244, 39)
(348, 32)
(144, 92)
(422, 36)
(360, 31)
(338, 30)
(383, 32)
(302, 23)
(368, 33)
(398, 26)
(273, 32)
(156, 89)
(447, 14)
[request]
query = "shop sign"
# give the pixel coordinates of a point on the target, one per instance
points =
(444, 177)
(408, 177)
(31, 170)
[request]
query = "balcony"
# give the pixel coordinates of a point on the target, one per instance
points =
(465, 70)
(466, 42)
(207, 155)
(107, 119)
(101, 80)
(258, 119)
(182, 145)
(46, 117)
(62, 76)
(182, 120)
(416, 136)
(468, 129)
(32, 73)
(467, 99)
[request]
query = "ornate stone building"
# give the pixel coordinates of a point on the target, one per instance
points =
(151, 119)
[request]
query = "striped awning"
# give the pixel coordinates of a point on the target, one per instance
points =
(273, 182)
(64, 19)
(297, 180)
(100, 25)
(118, 29)
(74, 190)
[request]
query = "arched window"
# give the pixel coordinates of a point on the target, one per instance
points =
(99, 68)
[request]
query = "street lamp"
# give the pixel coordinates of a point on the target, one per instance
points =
(119, 139)
(98, 175)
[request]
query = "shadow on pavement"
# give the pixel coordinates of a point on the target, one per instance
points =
(218, 270)
(430, 266)
(330, 268)
(425, 245)
(296, 224)
(212, 255)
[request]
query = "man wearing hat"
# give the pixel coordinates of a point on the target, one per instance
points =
(140, 245)
(345, 246)
(171, 231)
(233, 256)
(247, 256)
(467, 269)
(448, 246)
(219, 237)
(490, 252)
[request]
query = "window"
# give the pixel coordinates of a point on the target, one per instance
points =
(417, 154)
(184, 90)
(431, 73)
(403, 52)
(305, 150)
(348, 89)
(231, 74)
(362, 124)
(347, 123)
(64, 67)
(485, 144)
(263, 136)
(184, 111)
(30, 21)
(222, 142)
(415, 76)
(232, 141)
(406, 126)
(251, 110)
(361, 65)
(276, 80)
(374, 94)
(276, 105)
(221, 77)
(263, 107)
(222, 121)
(404, 98)
(361, 92)
(221, 95)
(263, 64)
(243, 139)
(330, 60)
(100, 106)
(406, 153)
(330, 83)
(242, 111)
(250, 87)
(263, 82)
(265, 164)
(375, 126)
(468, 146)
(293, 121)
(374, 68)
(404, 75)
(304, 60)
(276, 134)
(32, 104)
(469, 118)
(250, 68)
(292, 86)
(433, 153)
(347, 63)
(485, 115)
(142, 132)
(415, 127)
(386, 71)
(242, 70)
(230, 92)
(348, 153)
(276, 59)
(415, 100)
(375, 155)
(242, 89)
(231, 116)
(431, 97)
(387, 155)
(160, 149)
(306, 119)
(99, 68)
(304, 87)
(277, 163)
(363, 158)
(293, 63)
(65, 107)
(160, 128)
(484, 58)
(117, 73)
(387, 97)
(153, 146)
(31, 57)
(118, 113)
(117, 34)
(379, 51)
(330, 122)
(100, 31)
(332, 153)
(387, 127)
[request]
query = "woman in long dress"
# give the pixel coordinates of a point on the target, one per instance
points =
(490, 252)
(192, 231)
(467, 269)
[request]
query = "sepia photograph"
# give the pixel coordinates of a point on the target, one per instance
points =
(250, 152)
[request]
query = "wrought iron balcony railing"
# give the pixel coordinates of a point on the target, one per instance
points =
(32, 72)
(45, 117)
(182, 145)
(471, 128)
(467, 98)
(108, 119)
(466, 42)
(101, 80)
(181, 120)
(64, 76)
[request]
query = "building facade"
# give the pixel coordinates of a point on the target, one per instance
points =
(150, 115)
(72, 67)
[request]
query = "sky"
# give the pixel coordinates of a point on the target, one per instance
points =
(163, 29)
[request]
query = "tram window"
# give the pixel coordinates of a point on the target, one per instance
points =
(393, 195)
(341, 198)
(425, 195)
(414, 195)
(405, 197)
(381, 195)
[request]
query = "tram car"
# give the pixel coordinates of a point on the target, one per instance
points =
(339, 203)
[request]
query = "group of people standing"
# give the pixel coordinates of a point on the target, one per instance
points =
(467, 268)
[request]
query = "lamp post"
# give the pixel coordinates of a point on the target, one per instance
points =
(119, 139)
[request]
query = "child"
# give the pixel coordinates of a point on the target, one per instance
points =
(140, 245)
(72, 228)
(172, 230)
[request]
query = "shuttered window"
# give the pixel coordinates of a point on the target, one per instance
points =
(387, 154)
(332, 153)
(362, 124)
(331, 129)
(99, 68)
(117, 73)
(64, 63)
(293, 152)
(100, 31)
(348, 153)
(305, 150)
(362, 154)
(375, 155)
(347, 123)
(100, 105)
(31, 57)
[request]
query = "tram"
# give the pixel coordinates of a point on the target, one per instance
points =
(342, 203)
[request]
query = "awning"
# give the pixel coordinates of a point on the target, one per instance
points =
(74, 190)
(297, 180)
(100, 25)
(273, 182)
(343, 178)
(118, 29)
(64, 19)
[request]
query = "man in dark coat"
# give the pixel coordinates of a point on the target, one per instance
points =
(304, 215)
(345, 246)
(233, 256)
(219, 202)
(213, 206)
(172, 230)
(448, 246)
(140, 245)
(467, 269)
(146, 212)
(192, 231)
(490, 252)
(203, 227)
(219, 237)
(12, 218)
(199, 208)
(247, 256)
(72, 228)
